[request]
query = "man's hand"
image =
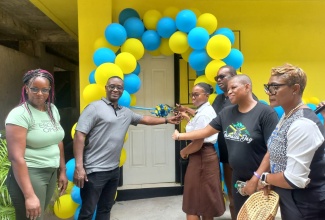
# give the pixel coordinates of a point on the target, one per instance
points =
(175, 119)
(79, 177)
(175, 134)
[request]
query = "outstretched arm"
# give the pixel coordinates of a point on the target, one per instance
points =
(150, 120)
(194, 135)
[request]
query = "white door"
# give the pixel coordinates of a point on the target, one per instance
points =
(150, 150)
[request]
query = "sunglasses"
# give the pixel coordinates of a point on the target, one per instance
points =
(221, 77)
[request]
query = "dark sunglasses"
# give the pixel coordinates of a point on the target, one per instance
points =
(220, 77)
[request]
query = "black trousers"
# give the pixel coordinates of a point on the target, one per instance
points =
(99, 191)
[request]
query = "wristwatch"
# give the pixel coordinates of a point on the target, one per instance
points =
(263, 179)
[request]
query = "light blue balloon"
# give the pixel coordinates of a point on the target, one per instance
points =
(279, 110)
(200, 73)
(264, 102)
(75, 194)
(70, 165)
(125, 99)
(91, 77)
(151, 40)
(103, 55)
(218, 90)
(132, 83)
(186, 20)
(166, 26)
(127, 13)
(199, 59)
(312, 106)
(115, 34)
(137, 69)
(235, 58)
(134, 27)
(198, 38)
(227, 32)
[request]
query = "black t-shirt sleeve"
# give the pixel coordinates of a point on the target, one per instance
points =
(269, 122)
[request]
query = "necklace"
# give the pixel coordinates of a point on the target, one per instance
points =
(293, 110)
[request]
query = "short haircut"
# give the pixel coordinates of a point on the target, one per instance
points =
(206, 87)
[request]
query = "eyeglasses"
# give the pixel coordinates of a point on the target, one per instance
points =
(196, 94)
(113, 87)
(36, 90)
(221, 77)
(272, 88)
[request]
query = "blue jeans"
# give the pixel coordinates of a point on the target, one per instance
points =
(99, 191)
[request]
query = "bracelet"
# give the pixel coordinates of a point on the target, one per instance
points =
(166, 121)
(257, 175)
(178, 136)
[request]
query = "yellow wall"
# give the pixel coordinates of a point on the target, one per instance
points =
(272, 32)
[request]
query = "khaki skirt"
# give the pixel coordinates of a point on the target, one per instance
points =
(203, 194)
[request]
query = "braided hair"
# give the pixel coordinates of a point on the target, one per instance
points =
(28, 79)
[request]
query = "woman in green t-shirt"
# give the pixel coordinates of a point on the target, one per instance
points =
(35, 149)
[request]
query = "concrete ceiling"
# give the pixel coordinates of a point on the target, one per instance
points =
(21, 20)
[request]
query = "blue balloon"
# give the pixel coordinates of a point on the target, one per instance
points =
(115, 34)
(312, 106)
(125, 99)
(151, 40)
(103, 55)
(75, 194)
(134, 27)
(200, 73)
(218, 90)
(137, 69)
(91, 77)
(166, 26)
(70, 165)
(77, 212)
(132, 83)
(235, 58)
(264, 102)
(198, 38)
(227, 32)
(199, 59)
(127, 13)
(279, 110)
(186, 20)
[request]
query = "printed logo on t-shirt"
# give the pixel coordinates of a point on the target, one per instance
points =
(47, 126)
(237, 132)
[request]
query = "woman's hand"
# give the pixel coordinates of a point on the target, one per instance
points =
(175, 135)
(250, 188)
(33, 207)
(62, 181)
(79, 177)
(185, 116)
(183, 155)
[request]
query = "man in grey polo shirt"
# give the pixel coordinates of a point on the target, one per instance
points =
(97, 145)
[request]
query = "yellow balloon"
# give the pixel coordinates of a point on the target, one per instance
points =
(178, 42)
(171, 12)
(93, 92)
(126, 62)
(122, 157)
(126, 137)
(207, 21)
(133, 100)
(164, 47)
(102, 42)
(218, 47)
(73, 130)
(66, 207)
(238, 73)
(304, 100)
(212, 68)
(186, 54)
(204, 79)
(212, 97)
(69, 187)
(151, 18)
(134, 47)
(105, 71)
(314, 100)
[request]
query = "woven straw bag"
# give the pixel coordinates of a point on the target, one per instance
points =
(259, 207)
